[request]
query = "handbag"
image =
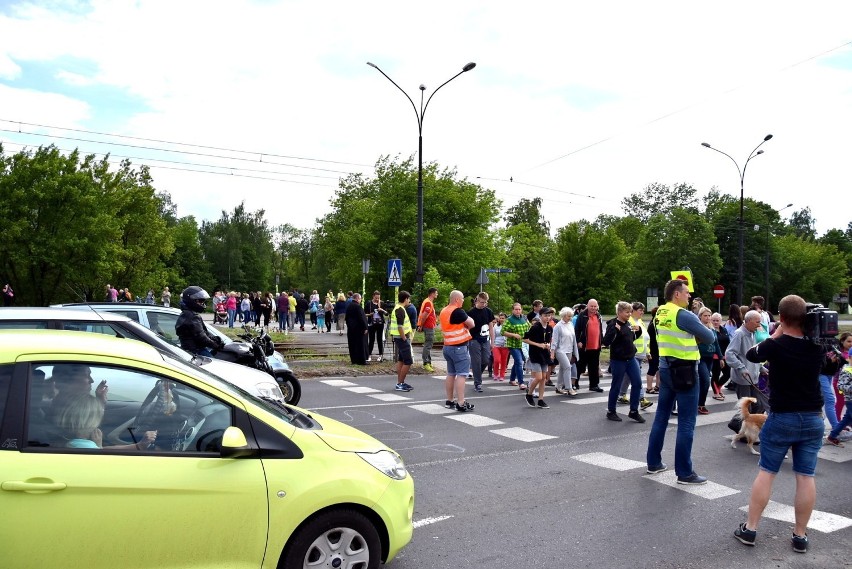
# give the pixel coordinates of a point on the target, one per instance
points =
(683, 374)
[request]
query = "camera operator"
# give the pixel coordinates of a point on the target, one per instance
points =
(795, 419)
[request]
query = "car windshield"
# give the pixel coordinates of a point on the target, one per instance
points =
(139, 332)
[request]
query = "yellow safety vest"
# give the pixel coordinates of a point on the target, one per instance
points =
(641, 345)
(394, 327)
(671, 340)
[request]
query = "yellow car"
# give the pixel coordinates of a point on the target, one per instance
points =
(115, 455)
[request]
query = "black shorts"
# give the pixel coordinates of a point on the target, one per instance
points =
(403, 350)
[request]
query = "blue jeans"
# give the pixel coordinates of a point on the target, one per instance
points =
(687, 407)
(458, 360)
(842, 423)
(828, 397)
(801, 431)
(704, 367)
(619, 369)
(232, 313)
(517, 373)
(282, 320)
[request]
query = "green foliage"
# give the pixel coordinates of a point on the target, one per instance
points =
(659, 198)
(803, 224)
(528, 212)
(187, 265)
(813, 270)
(376, 219)
(671, 241)
(588, 263)
(528, 251)
(71, 226)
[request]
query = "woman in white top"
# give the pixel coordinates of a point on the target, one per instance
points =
(563, 347)
(499, 350)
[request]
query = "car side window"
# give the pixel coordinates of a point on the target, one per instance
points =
(5, 382)
(95, 327)
(164, 325)
(132, 314)
(109, 408)
(23, 325)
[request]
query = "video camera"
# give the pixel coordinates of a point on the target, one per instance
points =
(821, 324)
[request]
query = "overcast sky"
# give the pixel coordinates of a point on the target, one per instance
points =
(580, 103)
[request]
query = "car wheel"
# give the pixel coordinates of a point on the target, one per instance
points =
(290, 387)
(340, 538)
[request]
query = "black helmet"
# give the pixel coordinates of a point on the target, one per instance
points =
(194, 298)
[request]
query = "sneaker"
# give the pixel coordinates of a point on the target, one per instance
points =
(693, 479)
(549, 383)
(596, 389)
(408, 387)
(477, 388)
(644, 403)
(834, 441)
(542, 404)
(401, 387)
(467, 406)
(470, 375)
(530, 400)
(559, 391)
(800, 543)
(575, 386)
(429, 368)
(636, 416)
(703, 411)
(745, 535)
(623, 400)
(613, 416)
(449, 404)
(657, 469)
(572, 392)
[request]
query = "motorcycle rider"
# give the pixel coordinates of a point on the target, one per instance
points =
(190, 328)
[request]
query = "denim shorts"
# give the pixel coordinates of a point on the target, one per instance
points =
(403, 350)
(533, 366)
(458, 359)
(802, 432)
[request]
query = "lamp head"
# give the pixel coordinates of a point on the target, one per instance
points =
(767, 137)
(422, 87)
(372, 65)
(707, 144)
(471, 65)
(759, 152)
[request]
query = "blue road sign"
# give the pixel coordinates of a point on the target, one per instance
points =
(394, 272)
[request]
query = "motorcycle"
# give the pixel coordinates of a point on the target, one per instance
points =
(257, 351)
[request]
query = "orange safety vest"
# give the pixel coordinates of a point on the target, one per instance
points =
(454, 334)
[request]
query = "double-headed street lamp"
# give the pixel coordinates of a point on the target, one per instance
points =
(741, 172)
(419, 274)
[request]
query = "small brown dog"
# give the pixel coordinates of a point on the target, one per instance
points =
(752, 423)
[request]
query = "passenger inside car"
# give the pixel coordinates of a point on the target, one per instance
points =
(78, 418)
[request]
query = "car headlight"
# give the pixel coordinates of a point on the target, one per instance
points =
(387, 462)
(270, 390)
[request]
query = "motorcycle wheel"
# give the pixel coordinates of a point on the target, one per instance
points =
(290, 387)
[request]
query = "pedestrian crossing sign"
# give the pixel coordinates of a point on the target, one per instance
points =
(394, 272)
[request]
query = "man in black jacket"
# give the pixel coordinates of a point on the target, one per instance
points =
(190, 328)
(356, 331)
(589, 331)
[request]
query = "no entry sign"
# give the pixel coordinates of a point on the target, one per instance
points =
(718, 291)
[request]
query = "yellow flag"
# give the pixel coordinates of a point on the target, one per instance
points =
(684, 275)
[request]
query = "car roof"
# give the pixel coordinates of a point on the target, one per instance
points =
(97, 306)
(14, 343)
(58, 313)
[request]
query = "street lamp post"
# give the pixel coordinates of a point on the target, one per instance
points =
(741, 172)
(419, 272)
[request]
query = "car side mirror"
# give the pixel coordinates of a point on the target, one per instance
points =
(235, 445)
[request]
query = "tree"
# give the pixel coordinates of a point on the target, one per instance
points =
(803, 224)
(375, 218)
(659, 198)
(528, 212)
(527, 250)
(671, 241)
(71, 226)
(588, 263)
(188, 264)
(813, 270)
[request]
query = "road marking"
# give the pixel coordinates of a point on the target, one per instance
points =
(362, 389)
(427, 521)
(499, 387)
(432, 408)
(609, 461)
(710, 490)
(602, 400)
(389, 397)
(474, 420)
(523, 435)
(702, 420)
(338, 382)
(820, 521)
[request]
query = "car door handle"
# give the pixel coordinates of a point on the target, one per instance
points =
(33, 486)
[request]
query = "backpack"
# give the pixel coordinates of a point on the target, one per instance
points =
(844, 382)
(314, 307)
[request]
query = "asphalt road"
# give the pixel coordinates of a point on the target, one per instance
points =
(516, 487)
